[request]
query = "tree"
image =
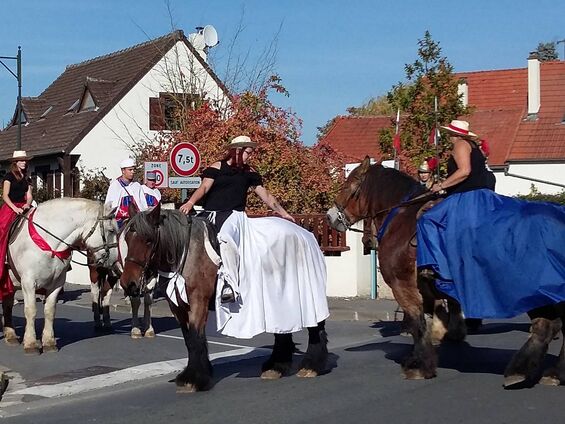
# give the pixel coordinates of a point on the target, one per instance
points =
(376, 106)
(547, 51)
(429, 77)
(300, 177)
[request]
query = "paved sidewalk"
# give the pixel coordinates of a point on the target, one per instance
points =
(341, 308)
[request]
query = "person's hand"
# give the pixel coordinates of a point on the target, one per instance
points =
(288, 217)
(437, 188)
(26, 207)
(186, 207)
(18, 211)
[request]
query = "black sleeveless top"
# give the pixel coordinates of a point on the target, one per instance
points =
(231, 184)
(480, 176)
(18, 188)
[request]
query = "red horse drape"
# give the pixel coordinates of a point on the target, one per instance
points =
(7, 216)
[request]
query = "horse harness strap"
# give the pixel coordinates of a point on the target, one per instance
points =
(42, 244)
(393, 212)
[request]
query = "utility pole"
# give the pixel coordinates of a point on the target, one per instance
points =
(561, 42)
(18, 76)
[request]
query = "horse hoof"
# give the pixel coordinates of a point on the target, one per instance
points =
(416, 374)
(50, 348)
(514, 381)
(271, 375)
(136, 333)
(12, 341)
(306, 373)
(150, 334)
(189, 388)
(550, 381)
(31, 351)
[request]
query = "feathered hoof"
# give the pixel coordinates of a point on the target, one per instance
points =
(417, 374)
(549, 380)
(32, 351)
(136, 333)
(150, 334)
(188, 388)
(306, 373)
(12, 341)
(515, 381)
(50, 348)
(271, 375)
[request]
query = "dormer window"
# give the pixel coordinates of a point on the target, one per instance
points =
(87, 103)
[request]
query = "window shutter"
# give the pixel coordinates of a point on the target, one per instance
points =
(156, 117)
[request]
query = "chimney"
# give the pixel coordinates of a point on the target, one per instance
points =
(463, 92)
(534, 90)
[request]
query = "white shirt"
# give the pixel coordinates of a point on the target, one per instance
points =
(152, 195)
(120, 196)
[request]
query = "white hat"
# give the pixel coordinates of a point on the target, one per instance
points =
(127, 163)
(242, 141)
(461, 129)
(20, 155)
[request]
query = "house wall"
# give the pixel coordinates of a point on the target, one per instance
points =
(511, 186)
(127, 124)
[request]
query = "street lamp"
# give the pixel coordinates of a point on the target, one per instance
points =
(18, 76)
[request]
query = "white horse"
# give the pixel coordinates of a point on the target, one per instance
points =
(38, 260)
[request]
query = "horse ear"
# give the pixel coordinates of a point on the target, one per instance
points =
(154, 215)
(132, 210)
(365, 164)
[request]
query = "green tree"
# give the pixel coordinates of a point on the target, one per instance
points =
(547, 51)
(429, 77)
(374, 107)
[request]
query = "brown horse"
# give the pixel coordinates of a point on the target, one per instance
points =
(392, 200)
(170, 242)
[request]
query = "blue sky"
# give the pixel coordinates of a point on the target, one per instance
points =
(330, 54)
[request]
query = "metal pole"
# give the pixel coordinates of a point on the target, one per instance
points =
(373, 274)
(508, 174)
(19, 59)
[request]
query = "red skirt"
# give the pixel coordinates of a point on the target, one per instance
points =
(7, 216)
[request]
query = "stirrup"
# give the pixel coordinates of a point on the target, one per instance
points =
(228, 295)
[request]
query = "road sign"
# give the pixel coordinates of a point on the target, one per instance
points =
(161, 170)
(184, 182)
(185, 159)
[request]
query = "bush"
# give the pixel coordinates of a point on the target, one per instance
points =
(536, 196)
(94, 184)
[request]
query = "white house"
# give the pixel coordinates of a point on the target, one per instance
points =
(92, 114)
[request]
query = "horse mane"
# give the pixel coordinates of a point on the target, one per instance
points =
(388, 186)
(171, 236)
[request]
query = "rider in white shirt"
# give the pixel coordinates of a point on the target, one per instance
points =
(152, 194)
(123, 191)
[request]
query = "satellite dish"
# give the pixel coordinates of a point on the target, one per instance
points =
(210, 36)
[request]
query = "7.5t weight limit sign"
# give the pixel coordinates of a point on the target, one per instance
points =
(185, 159)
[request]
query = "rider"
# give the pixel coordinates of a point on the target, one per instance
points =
(16, 193)
(123, 191)
(152, 194)
(269, 265)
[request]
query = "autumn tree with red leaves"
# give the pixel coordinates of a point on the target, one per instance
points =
(304, 179)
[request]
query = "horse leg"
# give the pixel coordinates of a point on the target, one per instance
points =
(147, 302)
(105, 298)
(525, 364)
(96, 308)
(280, 361)
(135, 327)
(31, 344)
(10, 335)
(422, 361)
(314, 361)
(197, 374)
(456, 328)
(556, 375)
(48, 337)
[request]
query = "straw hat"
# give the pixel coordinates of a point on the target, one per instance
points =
(127, 163)
(460, 129)
(20, 155)
(242, 141)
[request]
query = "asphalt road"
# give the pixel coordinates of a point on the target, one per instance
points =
(113, 379)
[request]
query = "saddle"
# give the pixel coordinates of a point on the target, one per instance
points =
(425, 207)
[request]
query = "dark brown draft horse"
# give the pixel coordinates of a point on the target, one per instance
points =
(158, 240)
(382, 195)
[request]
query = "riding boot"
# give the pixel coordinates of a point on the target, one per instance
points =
(227, 294)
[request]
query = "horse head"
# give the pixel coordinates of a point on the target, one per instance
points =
(101, 241)
(138, 242)
(351, 204)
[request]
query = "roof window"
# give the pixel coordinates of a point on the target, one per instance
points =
(44, 114)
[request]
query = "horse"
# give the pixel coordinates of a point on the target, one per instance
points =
(39, 256)
(170, 242)
(392, 201)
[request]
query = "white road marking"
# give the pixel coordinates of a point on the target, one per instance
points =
(140, 372)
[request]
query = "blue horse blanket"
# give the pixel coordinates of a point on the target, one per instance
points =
(498, 256)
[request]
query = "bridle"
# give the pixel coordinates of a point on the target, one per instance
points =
(143, 266)
(105, 245)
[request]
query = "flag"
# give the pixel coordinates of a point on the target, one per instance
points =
(396, 142)
(433, 136)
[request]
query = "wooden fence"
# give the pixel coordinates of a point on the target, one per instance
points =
(331, 241)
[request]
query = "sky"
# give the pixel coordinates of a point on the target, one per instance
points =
(330, 54)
